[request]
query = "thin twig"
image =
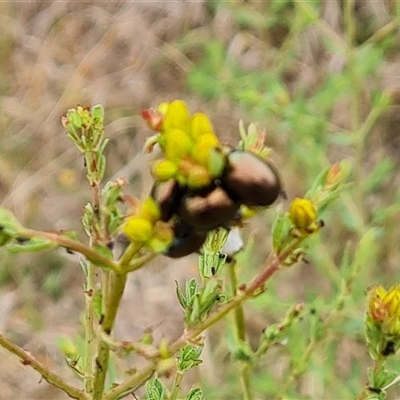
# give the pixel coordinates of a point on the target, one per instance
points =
(73, 245)
(52, 378)
(110, 307)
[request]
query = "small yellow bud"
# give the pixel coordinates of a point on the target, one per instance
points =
(163, 170)
(200, 125)
(303, 213)
(177, 116)
(382, 323)
(177, 144)
(202, 148)
(163, 107)
(162, 238)
(149, 210)
(138, 229)
(247, 212)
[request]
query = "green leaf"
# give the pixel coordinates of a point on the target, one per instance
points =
(181, 297)
(366, 251)
(280, 232)
(192, 289)
(25, 245)
(188, 357)
(67, 346)
(97, 112)
(155, 390)
(194, 394)
(9, 226)
(104, 250)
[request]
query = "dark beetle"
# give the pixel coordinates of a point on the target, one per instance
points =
(186, 240)
(250, 180)
(168, 194)
(209, 210)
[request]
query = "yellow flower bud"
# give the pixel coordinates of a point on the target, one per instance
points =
(303, 213)
(200, 125)
(247, 212)
(163, 107)
(149, 210)
(162, 238)
(138, 229)
(382, 323)
(177, 116)
(163, 170)
(202, 147)
(177, 144)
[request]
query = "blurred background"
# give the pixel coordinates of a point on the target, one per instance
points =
(321, 77)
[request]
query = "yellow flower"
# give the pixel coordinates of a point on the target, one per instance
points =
(149, 210)
(163, 108)
(176, 116)
(384, 308)
(200, 125)
(163, 170)
(162, 238)
(138, 229)
(186, 141)
(303, 214)
(382, 322)
(177, 144)
(202, 148)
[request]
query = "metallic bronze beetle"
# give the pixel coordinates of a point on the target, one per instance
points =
(251, 180)
(209, 210)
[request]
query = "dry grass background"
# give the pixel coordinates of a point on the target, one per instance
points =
(56, 54)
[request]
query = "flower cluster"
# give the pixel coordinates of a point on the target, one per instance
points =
(200, 185)
(382, 324)
(145, 227)
(189, 145)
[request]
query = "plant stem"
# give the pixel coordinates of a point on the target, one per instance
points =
(239, 315)
(89, 330)
(176, 385)
(52, 378)
(245, 380)
(74, 245)
(239, 327)
(113, 288)
(110, 309)
(132, 383)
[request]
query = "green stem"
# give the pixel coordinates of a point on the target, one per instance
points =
(239, 315)
(132, 383)
(239, 327)
(110, 307)
(89, 330)
(52, 378)
(129, 253)
(176, 385)
(74, 245)
(245, 380)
